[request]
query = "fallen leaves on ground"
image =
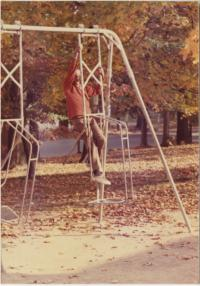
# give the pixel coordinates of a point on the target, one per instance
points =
(62, 192)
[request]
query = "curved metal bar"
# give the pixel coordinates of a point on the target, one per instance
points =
(147, 117)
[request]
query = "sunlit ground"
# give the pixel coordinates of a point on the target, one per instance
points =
(144, 241)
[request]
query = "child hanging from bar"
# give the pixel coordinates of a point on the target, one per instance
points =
(75, 109)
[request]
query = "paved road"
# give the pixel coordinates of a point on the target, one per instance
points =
(61, 147)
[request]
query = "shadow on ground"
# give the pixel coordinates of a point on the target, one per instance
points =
(173, 262)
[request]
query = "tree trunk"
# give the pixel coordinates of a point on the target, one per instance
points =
(17, 156)
(126, 117)
(21, 150)
(144, 139)
(166, 136)
(34, 130)
(10, 135)
(139, 121)
(118, 118)
(10, 110)
(184, 129)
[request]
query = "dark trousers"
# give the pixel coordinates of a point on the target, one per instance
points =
(94, 137)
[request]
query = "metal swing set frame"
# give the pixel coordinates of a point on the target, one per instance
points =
(111, 40)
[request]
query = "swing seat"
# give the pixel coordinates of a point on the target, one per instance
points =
(107, 201)
(8, 214)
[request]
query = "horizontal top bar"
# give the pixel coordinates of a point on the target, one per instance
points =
(10, 119)
(9, 32)
(53, 29)
(108, 33)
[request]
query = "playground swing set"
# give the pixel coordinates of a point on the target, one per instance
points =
(102, 116)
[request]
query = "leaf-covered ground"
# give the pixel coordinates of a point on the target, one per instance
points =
(62, 191)
(143, 241)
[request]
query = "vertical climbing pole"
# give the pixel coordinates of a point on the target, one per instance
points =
(21, 75)
(83, 86)
(106, 111)
(101, 114)
(85, 81)
(101, 187)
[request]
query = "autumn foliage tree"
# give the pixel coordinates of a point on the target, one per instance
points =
(160, 39)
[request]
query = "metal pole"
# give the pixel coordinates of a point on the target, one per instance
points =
(129, 162)
(109, 77)
(86, 118)
(82, 78)
(123, 158)
(143, 107)
(11, 27)
(103, 157)
(101, 80)
(21, 77)
(26, 181)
